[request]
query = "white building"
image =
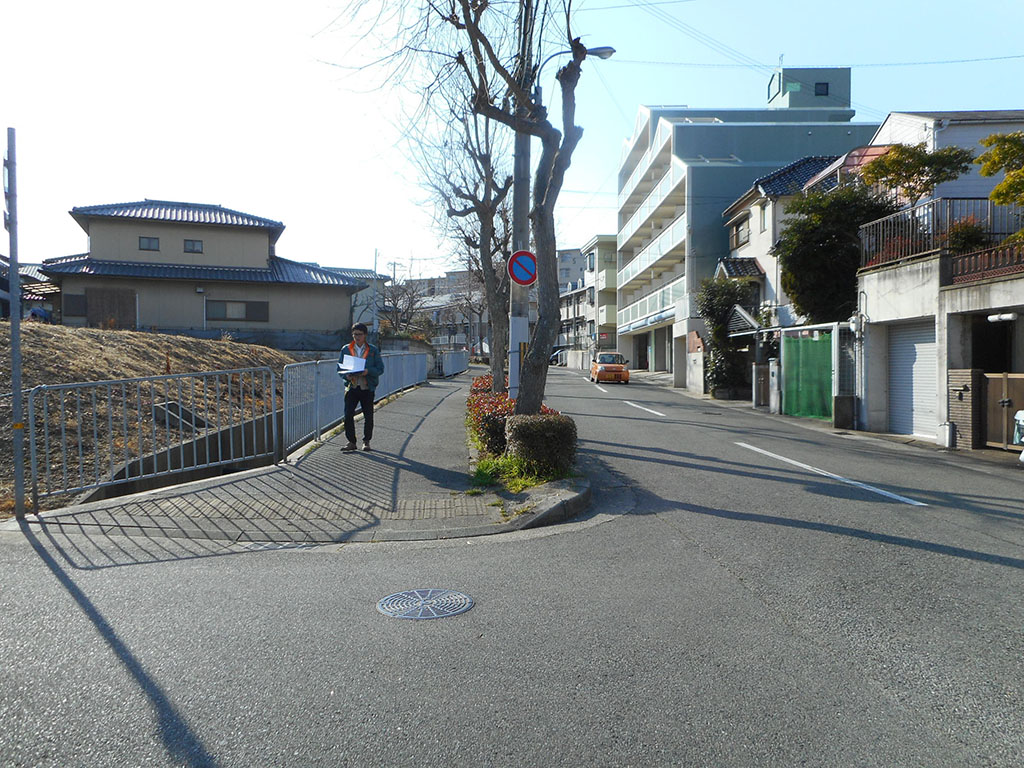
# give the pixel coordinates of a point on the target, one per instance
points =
(678, 173)
(943, 333)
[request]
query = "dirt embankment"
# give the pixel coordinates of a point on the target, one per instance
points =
(53, 354)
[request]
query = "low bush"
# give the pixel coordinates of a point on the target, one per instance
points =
(545, 443)
(510, 471)
(486, 412)
(966, 236)
(1017, 238)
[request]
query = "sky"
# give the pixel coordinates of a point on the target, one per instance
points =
(256, 105)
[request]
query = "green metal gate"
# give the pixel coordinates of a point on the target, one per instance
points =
(807, 378)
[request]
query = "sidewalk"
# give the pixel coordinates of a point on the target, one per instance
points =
(989, 456)
(413, 485)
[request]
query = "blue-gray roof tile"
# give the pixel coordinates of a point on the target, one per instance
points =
(791, 179)
(279, 270)
(735, 266)
(167, 210)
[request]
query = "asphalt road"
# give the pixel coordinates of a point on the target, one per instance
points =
(720, 606)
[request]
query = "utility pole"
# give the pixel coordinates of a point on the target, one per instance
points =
(14, 279)
(376, 338)
(519, 295)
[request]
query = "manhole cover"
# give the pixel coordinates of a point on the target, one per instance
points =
(425, 604)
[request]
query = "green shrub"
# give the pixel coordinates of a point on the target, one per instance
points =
(486, 413)
(545, 443)
(491, 432)
(966, 236)
(1017, 238)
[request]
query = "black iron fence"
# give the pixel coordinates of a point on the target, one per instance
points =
(943, 224)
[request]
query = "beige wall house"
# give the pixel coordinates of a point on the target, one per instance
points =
(174, 266)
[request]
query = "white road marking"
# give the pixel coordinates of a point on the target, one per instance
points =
(601, 388)
(809, 468)
(644, 409)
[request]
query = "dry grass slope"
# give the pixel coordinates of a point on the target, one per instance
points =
(53, 354)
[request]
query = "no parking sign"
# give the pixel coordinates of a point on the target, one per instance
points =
(522, 268)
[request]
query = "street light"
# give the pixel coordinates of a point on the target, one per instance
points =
(601, 51)
(518, 295)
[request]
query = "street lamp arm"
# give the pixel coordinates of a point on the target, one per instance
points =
(601, 51)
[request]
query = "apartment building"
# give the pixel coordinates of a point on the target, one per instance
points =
(679, 172)
(587, 306)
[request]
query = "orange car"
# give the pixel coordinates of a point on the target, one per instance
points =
(609, 366)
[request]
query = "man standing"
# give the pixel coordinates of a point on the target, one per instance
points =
(360, 385)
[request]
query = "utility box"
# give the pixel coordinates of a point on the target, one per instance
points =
(774, 386)
(843, 409)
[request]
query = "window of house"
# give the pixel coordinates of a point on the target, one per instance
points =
(74, 305)
(590, 262)
(763, 217)
(821, 89)
(193, 246)
(149, 243)
(739, 235)
(248, 311)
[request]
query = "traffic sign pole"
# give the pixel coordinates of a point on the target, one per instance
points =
(14, 281)
(519, 295)
(522, 272)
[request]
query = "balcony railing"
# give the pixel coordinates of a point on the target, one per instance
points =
(982, 265)
(669, 239)
(654, 302)
(673, 177)
(926, 228)
(660, 137)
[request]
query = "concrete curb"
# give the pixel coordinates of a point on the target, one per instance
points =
(556, 502)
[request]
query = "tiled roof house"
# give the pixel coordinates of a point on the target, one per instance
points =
(176, 266)
(755, 222)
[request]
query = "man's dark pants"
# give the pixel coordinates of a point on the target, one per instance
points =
(364, 399)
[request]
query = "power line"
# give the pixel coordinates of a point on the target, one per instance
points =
(632, 5)
(829, 66)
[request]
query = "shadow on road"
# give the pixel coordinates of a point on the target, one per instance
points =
(181, 743)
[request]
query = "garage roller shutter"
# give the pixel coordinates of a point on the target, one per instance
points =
(912, 374)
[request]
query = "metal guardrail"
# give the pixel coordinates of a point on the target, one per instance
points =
(314, 393)
(925, 228)
(95, 434)
(451, 363)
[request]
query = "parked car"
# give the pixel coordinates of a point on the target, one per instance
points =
(609, 366)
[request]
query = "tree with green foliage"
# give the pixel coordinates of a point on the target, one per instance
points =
(1005, 153)
(715, 300)
(914, 172)
(819, 251)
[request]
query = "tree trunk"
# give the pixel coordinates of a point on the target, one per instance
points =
(498, 319)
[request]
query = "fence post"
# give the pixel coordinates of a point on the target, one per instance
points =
(273, 401)
(316, 399)
(33, 467)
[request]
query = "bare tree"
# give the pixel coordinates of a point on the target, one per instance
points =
(461, 170)
(402, 302)
(496, 46)
(502, 90)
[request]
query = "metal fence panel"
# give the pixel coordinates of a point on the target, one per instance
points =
(314, 393)
(454, 362)
(314, 400)
(94, 434)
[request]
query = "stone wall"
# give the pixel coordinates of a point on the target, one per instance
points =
(964, 396)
